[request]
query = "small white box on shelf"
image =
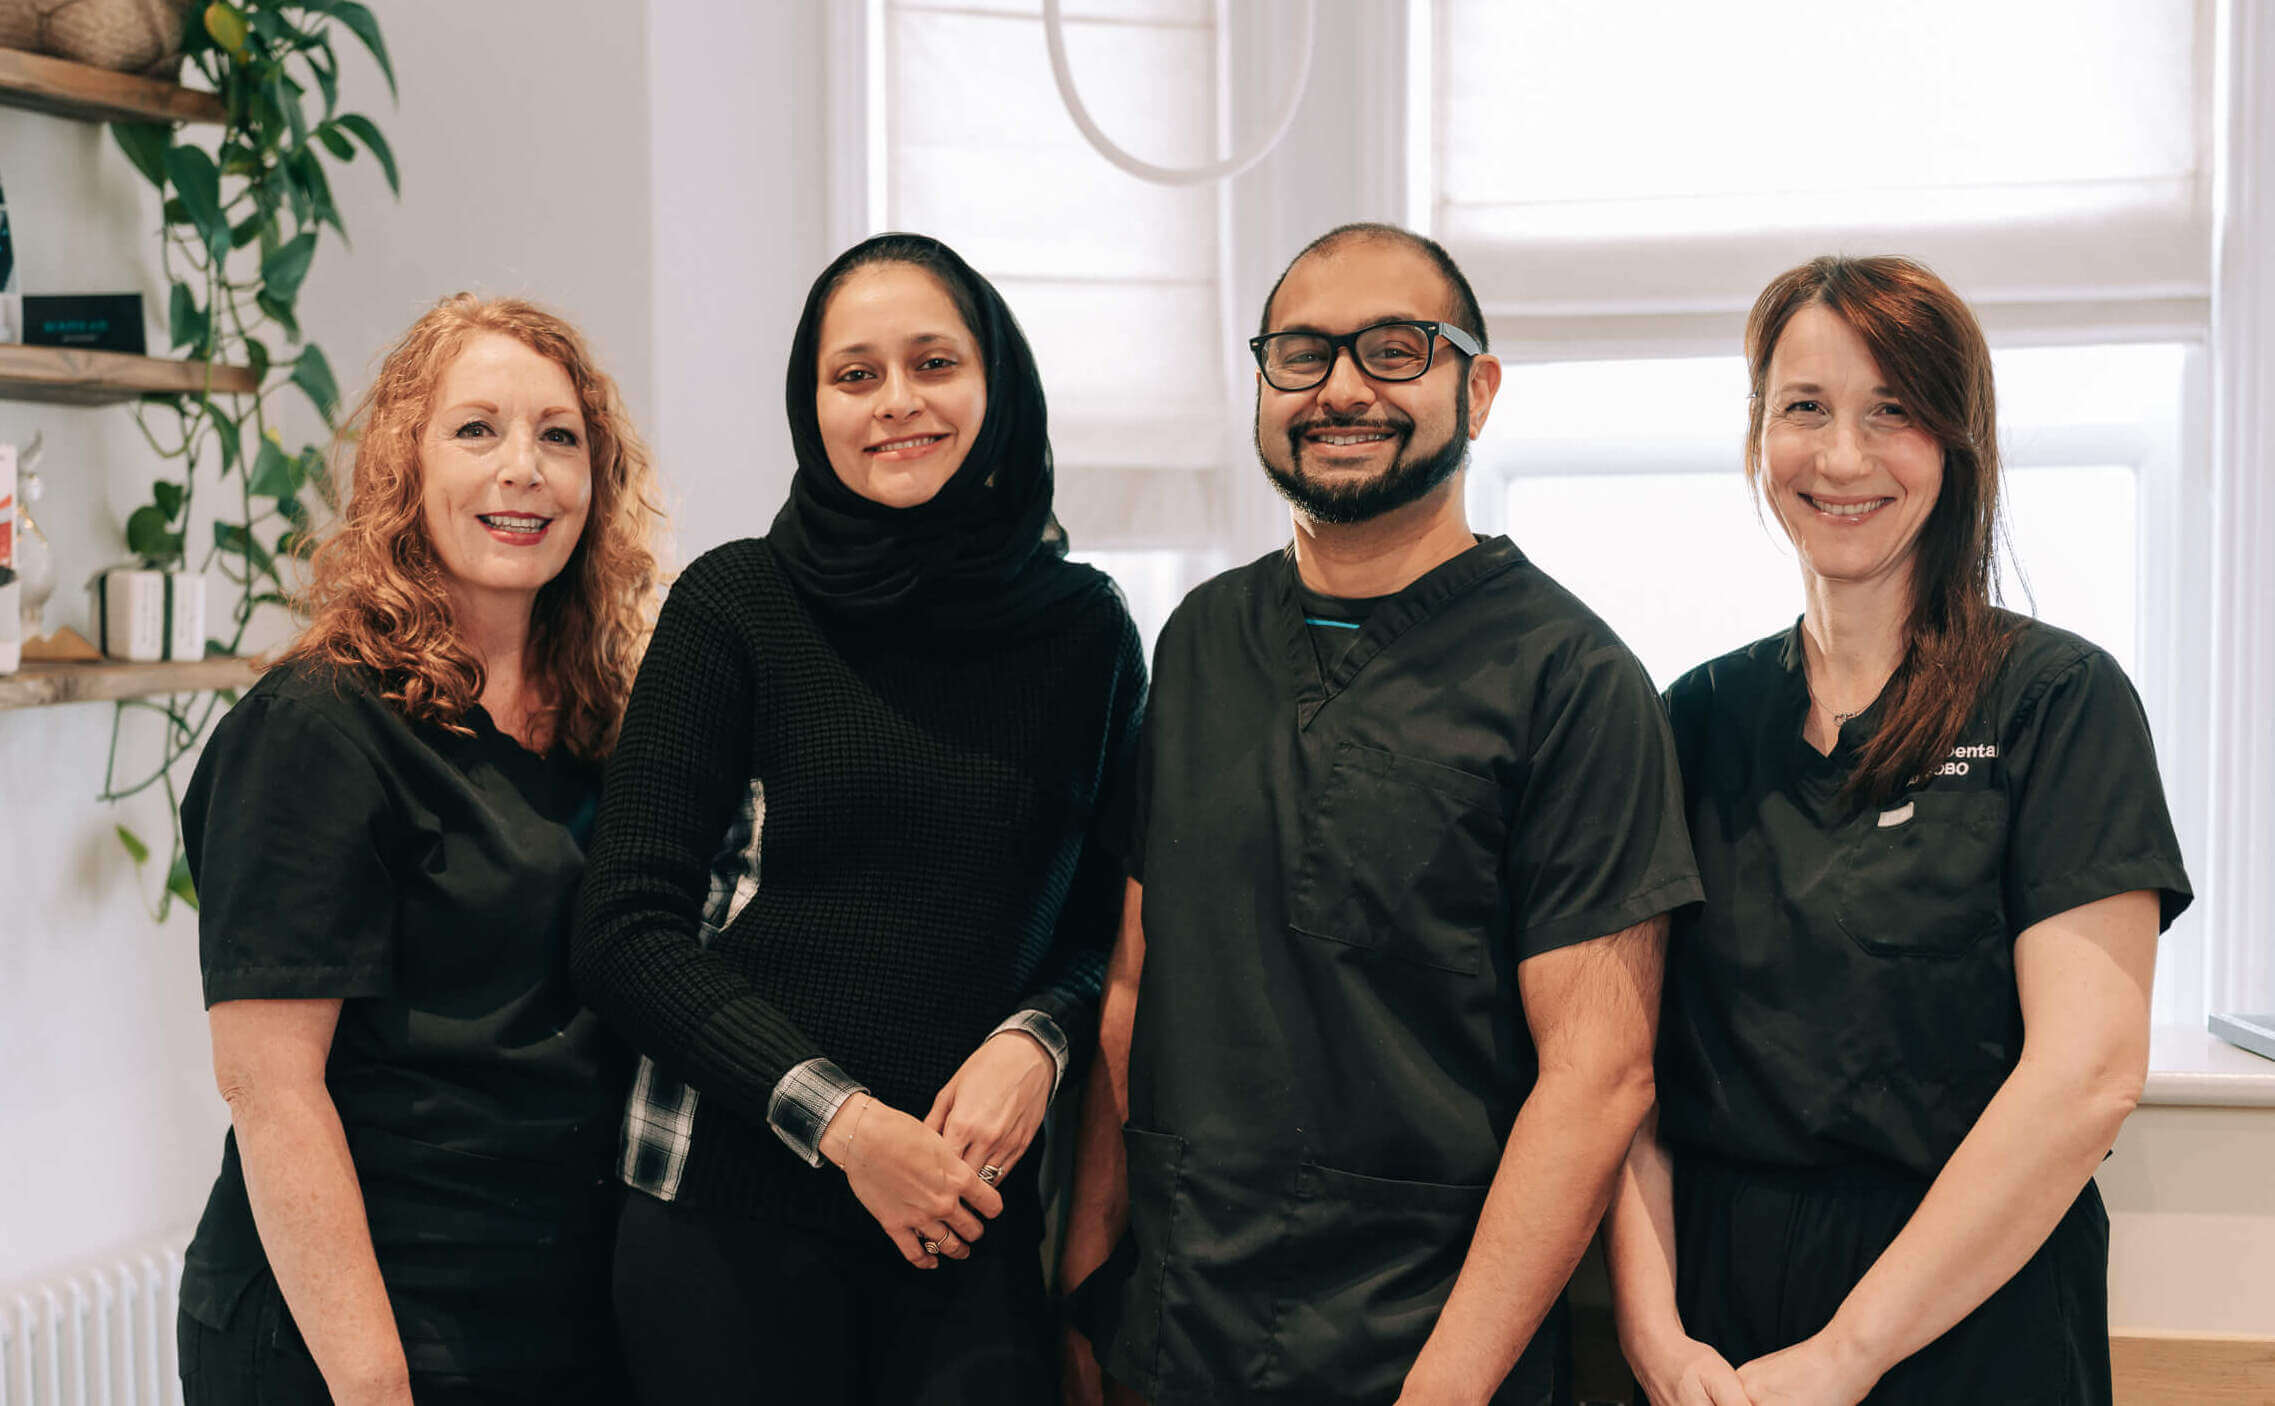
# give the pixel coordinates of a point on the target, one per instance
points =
(143, 616)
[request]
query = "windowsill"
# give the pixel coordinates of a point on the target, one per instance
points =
(2194, 1068)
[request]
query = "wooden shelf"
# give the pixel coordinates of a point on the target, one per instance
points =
(71, 376)
(42, 684)
(61, 88)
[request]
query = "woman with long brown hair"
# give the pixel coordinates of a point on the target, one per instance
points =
(1912, 1013)
(387, 834)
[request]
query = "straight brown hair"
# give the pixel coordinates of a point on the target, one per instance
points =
(1931, 351)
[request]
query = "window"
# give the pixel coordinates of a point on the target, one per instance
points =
(1114, 280)
(1611, 475)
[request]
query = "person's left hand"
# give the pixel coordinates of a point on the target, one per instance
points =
(989, 1111)
(1812, 1372)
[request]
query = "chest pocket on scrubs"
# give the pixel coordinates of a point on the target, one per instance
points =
(1401, 856)
(1922, 879)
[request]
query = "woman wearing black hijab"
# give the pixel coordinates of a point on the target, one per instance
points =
(848, 892)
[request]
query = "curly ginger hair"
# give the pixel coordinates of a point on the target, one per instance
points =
(376, 596)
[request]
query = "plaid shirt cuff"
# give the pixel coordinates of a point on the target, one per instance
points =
(1047, 1032)
(804, 1102)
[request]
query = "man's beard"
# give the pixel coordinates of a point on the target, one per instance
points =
(1407, 480)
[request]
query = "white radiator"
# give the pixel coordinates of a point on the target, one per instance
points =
(103, 1336)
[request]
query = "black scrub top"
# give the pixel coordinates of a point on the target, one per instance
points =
(1846, 994)
(427, 879)
(1342, 871)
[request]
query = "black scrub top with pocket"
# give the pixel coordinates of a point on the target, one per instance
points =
(1846, 995)
(1342, 869)
(427, 879)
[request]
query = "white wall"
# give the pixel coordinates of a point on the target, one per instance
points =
(738, 152)
(523, 136)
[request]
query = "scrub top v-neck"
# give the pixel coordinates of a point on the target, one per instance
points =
(1342, 868)
(1846, 994)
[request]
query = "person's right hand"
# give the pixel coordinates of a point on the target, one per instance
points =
(903, 1174)
(1682, 1371)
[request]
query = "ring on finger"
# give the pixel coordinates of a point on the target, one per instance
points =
(931, 1247)
(990, 1172)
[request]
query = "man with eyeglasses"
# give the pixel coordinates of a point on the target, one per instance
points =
(1406, 830)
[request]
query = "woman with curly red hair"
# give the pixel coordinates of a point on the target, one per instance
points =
(386, 834)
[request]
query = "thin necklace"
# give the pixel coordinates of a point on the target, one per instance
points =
(1838, 718)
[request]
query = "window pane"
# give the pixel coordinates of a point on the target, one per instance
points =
(1676, 563)
(1623, 481)
(1571, 117)
(1151, 581)
(2074, 535)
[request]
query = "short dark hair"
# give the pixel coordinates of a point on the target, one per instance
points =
(1466, 314)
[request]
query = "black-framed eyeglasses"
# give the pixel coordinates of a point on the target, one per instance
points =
(1387, 351)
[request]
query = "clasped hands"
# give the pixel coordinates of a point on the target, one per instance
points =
(931, 1184)
(1816, 1371)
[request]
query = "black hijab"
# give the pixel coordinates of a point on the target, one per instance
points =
(985, 553)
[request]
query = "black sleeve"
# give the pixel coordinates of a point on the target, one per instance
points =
(284, 825)
(681, 767)
(2087, 817)
(1599, 842)
(1075, 974)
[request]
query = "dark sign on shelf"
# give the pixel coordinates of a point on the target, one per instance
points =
(88, 321)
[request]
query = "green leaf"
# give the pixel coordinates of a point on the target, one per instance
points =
(185, 319)
(283, 270)
(294, 543)
(179, 884)
(291, 511)
(145, 145)
(359, 19)
(327, 79)
(334, 143)
(278, 312)
(257, 359)
(225, 431)
(246, 230)
(168, 498)
(270, 26)
(132, 843)
(308, 173)
(227, 26)
(313, 374)
(273, 472)
(235, 537)
(148, 538)
(199, 183)
(285, 95)
(174, 211)
(367, 132)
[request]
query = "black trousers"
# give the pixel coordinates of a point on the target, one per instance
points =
(1763, 1258)
(257, 1358)
(715, 1309)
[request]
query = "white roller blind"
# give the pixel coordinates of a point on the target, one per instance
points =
(1115, 280)
(2031, 149)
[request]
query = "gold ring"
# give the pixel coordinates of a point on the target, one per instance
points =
(990, 1172)
(931, 1247)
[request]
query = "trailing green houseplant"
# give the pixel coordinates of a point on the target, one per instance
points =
(244, 216)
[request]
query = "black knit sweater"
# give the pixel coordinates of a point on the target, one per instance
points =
(931, 857)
